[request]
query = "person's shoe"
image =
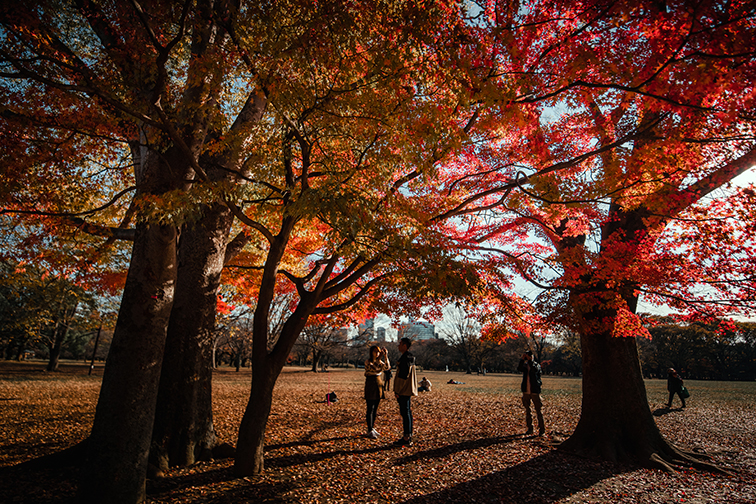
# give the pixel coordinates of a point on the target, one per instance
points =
(373, 434)
(403, 442)
(541, 432)
(529, 432)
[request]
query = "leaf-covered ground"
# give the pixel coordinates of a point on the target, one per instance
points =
(469, 443)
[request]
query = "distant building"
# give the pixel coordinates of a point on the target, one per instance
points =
(341, 335)
(417, 330)
(366, 331)
(380, 334)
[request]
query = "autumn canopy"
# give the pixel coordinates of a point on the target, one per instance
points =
(372, 156)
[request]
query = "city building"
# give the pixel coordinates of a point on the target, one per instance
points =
(417, 330)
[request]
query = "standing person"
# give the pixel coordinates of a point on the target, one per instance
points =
(387, 379)
(675, 386)
(374, 369)
(531, 390)
(405, 386)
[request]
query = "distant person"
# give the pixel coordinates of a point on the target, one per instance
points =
(425, 385)
(387, 380)
(531, 391)
(452, 381)
(375, 366)
(405, 386)
(674, 386)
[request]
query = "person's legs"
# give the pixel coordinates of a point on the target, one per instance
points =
(370, 414)
(682, 399)
(538, 404)
(405, 410)
(669, 401)
(528, 416)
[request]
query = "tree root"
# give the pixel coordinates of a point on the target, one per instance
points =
(676, 459)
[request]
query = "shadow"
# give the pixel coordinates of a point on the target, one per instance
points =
(51, 479)
(305, 442)
(202, 478)
(459, 447)
(541, 480)
(286, 461)
(665, 411)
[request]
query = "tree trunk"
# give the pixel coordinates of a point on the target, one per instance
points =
(184, 431)
(120, 440)
(316, 356)
(58, 337)
(61, 330)
(616, 423)
(250, 447)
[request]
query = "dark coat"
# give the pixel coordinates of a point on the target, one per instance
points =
(534, 373)
(674, 383)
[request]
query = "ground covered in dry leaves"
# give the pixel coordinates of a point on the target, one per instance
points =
(469, 443)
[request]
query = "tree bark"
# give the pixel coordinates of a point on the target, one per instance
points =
(119, 444)
(616, 423)
(250, 447)
(184, 431)
(61, 330)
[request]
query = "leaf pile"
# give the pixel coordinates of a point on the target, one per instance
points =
(469, 444)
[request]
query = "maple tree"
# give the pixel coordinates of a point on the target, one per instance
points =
(178, 94)
(637, 112)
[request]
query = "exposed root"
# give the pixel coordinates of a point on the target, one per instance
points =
(676, 459)
(661, 455)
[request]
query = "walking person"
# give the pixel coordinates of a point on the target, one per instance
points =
(405, 386)
(375, 367)
(531, 391)
(674, 386)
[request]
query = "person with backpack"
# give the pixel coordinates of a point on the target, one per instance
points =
(674, 386)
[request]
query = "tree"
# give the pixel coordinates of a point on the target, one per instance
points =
(462, 332)
(321, 338)
(123, 87)
(638, 115)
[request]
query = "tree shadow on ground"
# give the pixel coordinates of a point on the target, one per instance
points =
(473, 444)
(541, 480)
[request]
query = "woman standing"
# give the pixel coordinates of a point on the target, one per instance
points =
(374, 368)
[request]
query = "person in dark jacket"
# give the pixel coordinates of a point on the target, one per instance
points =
(531, 391)
(405, 387)
(674, 386)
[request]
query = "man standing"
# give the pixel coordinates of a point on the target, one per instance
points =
(405, 386)
(531, 390)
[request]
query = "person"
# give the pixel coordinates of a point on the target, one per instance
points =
(387, 380)
(531, 391)
(425, 385)
(674, 386)
(405, 386)
(375, 366)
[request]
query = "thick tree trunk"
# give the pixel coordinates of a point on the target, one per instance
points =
(616, 423)
(184, 430)
(120, 439)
